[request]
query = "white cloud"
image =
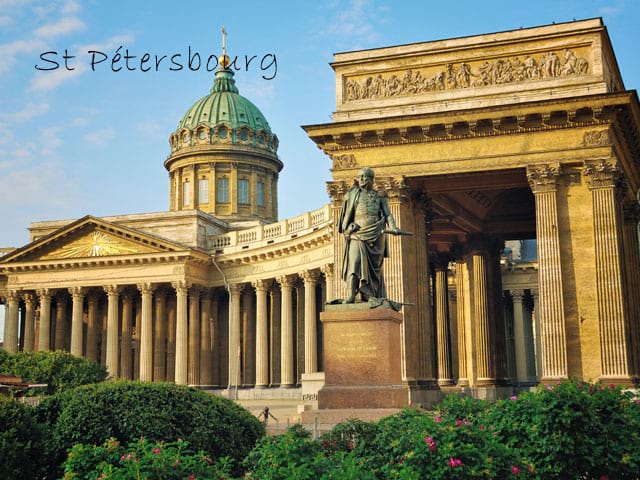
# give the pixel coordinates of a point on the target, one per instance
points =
(48, 80)
(64, 26)
(355, 20)
(71, 6)
(9, 51)
(45, 81)
(100, 137)
(50, 140)
(30, 111)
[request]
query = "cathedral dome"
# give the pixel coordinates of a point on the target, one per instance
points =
(223, 157)
(225, 116)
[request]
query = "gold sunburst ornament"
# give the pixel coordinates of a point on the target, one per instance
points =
(96, 244)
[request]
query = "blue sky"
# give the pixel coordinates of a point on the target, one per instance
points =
(93, 142)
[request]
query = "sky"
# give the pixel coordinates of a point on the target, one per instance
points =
(93, 141)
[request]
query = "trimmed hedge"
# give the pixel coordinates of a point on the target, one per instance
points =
(59, 370)
(127, 411)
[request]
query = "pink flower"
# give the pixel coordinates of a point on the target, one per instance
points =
(191, 477)
(455, 462)
(548, 387)
(604, 477)
(482, 427)
(466, 422)
(458, 423)
(514, 397)
(515, 470)
(591, 389)
(437, 419)
(156, 450)
(430, 443)
(122, 457)
(612, 386)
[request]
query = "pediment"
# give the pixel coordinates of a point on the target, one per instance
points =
(89, 238)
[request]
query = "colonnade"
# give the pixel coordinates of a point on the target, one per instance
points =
(264, 333)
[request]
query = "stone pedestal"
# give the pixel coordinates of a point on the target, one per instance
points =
(362, 359)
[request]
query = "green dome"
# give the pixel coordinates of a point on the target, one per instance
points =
(224, 106)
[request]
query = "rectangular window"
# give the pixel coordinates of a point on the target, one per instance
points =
(243, 191)
(222, 190)
(260, 194)
(203, 190)
(186, 194)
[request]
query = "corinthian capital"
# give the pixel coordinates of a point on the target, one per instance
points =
(603, 173)
(395, 188)
(543, 178)
(336, 190)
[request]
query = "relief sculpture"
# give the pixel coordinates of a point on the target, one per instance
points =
(462, 75)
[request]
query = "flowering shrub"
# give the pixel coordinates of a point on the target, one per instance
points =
(157, 411)
(142, 459)
(573, 430)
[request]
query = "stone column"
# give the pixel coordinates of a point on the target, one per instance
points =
(181, 333)
(234, 334)
(537, 341)
(441, 263)
(126, 364)
(214, 340)
(327, 271)
(29, 321)
(93, 326)
(632, 261)
(136, 338)
(61, 321)
(543, 180)
(193, 371)
(262, 340)
(463, 379)
(336, 191)
(11, 322)
(286, 331)
(274, 341)
(146, 332)
(298, 330)
(605, 182)
(113, 293)
(44, 332)
(77, 296)
(205, 338)
(248, 337)
(484, 354)
(160, 336)
(104, 315)
(171, 339)
(519, 336)
(310, 278)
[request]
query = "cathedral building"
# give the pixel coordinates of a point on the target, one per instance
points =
(525, 138)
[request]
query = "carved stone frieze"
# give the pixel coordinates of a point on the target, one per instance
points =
(344, 161)
(595, 138)
(502, 71)
(543, 178)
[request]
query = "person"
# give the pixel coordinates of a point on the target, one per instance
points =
(265, 414)
(363, 221)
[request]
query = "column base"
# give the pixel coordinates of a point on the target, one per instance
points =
(445, 382)
(619, 380)
(486, 382)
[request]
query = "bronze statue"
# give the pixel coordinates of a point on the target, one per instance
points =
(364, 220)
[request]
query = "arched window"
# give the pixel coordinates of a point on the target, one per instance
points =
(186, 194)
(203, 190)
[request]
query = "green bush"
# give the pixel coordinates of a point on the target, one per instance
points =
(20, 441)
(127, 411)
(59, 370)
(142, 459)
(573, 430)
